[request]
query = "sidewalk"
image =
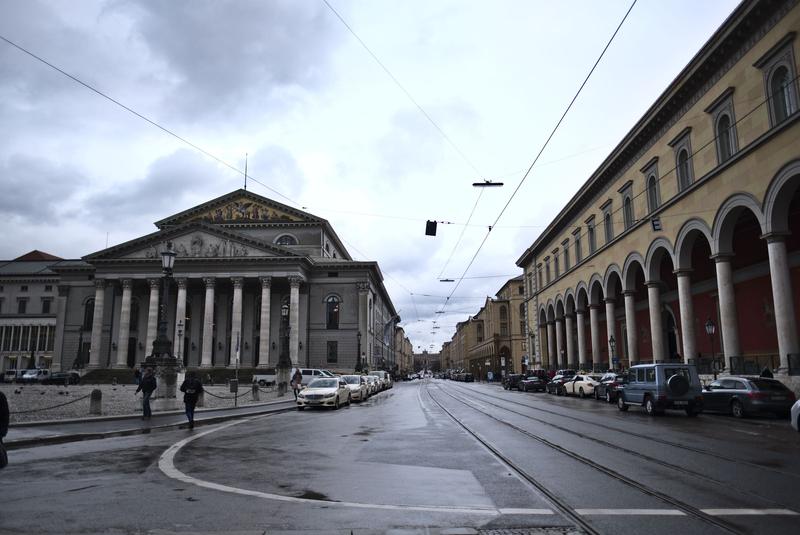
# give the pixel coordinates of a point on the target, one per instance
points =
(25, 435)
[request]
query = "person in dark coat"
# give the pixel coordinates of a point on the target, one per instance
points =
(297, 383)
(147, 385)
(191, 388)
(4, 416)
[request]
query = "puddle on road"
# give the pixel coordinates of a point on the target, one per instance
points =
(313, 495)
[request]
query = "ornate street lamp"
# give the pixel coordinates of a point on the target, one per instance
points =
(162, 358)
(711, 328)
(358, 355)
(284, 367)
(612, 344)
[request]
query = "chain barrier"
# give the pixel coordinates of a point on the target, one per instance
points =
(53, 407)
(228, 397)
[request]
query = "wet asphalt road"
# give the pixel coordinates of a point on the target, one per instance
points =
(400, 461)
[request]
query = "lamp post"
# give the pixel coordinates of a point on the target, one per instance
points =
(358, 355)
(162, 358)
(179, 340)
(284, 366)
(612, 344)
(711, 328)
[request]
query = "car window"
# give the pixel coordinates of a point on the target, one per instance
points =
(674, 370)
(729, 384)
(306, 372)
(715, 385)
(594, 377)
(324, 383)
(765, 384)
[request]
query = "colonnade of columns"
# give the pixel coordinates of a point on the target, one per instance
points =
(206, 359)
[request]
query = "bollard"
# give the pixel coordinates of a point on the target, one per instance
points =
(256, 392)
(114, 381)
(96, 402)
(201, 399)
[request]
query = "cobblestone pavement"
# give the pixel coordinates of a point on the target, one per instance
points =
(33, 403)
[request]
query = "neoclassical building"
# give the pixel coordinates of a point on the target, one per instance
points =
(685, 243)
(253, 279)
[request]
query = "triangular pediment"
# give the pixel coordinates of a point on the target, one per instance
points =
(238, 207)
(193, 241)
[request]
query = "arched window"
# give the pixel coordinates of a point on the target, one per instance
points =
(503, 321)
(609, 228)
(332, 304)
(522, 329)
(653, 198)
(682, 165)
(503, 313)
(286, 239)
(780, 88)
(480, 332)
(724, 138)
(88, 315)
(627, 212)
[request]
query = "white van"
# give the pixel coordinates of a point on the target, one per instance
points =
(34, 376)
(309, 374)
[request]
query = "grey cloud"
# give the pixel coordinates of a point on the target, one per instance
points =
(277, 168)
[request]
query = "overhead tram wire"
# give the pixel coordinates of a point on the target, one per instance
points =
(142, 117)
(544, 146)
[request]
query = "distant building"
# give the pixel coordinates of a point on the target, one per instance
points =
(253, 279)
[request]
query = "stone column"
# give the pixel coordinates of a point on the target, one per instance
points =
(208, 324)
(580, 319)
(562, 356)
(656, 323)
(294, 319)
(180, 318)
(782, 296)
(688, 335)
(236, 320)
(263, 334)
(594, 327)
(123, 333)
(569, 325)
(58, 343)
(363, 313)
(630, 327)
(152, 315)
(97, 323)
(552, 357)
(611, 328)
(727, 309)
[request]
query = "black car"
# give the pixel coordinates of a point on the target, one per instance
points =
(743, 396)
(556, 384)
(609, 386)
(467, 377)
(62, 378)
(511, 381)
(532, 384)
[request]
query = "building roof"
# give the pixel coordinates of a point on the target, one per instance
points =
(36, 255)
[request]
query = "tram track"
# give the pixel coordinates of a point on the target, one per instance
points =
(559, 503)
(713, 454)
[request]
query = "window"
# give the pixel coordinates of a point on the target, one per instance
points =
(286, 239)
(590, 234)
(332, 312)
(23, 288)
(653, 198)
(607, 224)
(778, 66)
(565, 247)
(333, 351)
(682, 167)
(22, 306)
(539, 274)
(576, 237)
(48, 287)
(555, 263)
(480, 332)
(503, 321)
(46, 306)
(627, 212)
(1, 305)
(88, 315)
(521, 290)
(724, 147)
(724, 121)
(682, 146)
(522, 319)
(547, 269)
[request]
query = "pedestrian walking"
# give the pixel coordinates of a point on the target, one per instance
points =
(147, 385)
(4, 416)
(192, 387)
(137, 376)
(297, 382)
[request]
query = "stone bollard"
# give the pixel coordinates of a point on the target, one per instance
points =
(201, 399)
(96, 402)
(256, 396)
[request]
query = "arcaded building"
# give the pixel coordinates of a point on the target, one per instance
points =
(685, 243)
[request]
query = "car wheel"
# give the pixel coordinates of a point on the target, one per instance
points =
(736, 409)
(649, 406)
(608, 396)
(560, 392)
(596, 395)
(621, 405)
(349, 399)
(581, 394)
(336, 404)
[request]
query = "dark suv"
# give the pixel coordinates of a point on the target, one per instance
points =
(658, 387)
(511, 381)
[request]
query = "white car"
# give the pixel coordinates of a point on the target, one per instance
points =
(795, 415)
(324, 392)
(357, 385)
(373, 384)
(581, 385)
(385, 378)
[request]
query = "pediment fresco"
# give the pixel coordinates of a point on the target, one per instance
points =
(200, 245)
(243, 210)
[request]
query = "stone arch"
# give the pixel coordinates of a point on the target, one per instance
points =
(542, 315)
(596, 288)
(582, 296)
(629, 273)
(569, 301)
(551, 311)
(779, 196)
(560, 307)
(610, 282)
(655, 253)
(685, 242)
(725, 221)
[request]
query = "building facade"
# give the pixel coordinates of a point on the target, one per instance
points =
(253, 280)
(684, 245)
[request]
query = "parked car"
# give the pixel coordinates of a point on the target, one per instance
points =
(34, 376)
(385, 378)
(372, 384)
(744, 396)
(581, 385)
(532, 383)
(566, 373)
(265, 377)
(511, 381)
(556, 384)
(325, 392)
(63, 378)
(467, 377)
(658, 387)
(608, 389)
(795, 415)
(357, 384)
(12, 376)
(309, 374)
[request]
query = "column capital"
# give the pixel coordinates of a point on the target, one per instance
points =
(776, 236)
(610, 301)
(363, 286)
(595, 307)
(127, 284)
(209, 282)
(683, 272)
(154, 283)
(294, 281)
(580, 311)
(266, 282)
(181, 282)
(63, 290)
(550, 322)
(628, 293)
(238, 282)
(721, 258)
(570, 315)
(653, 284)
(99, 284)
(559, 319)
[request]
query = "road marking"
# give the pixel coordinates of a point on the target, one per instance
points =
(741, 512)
(631, 512)
(512, 511)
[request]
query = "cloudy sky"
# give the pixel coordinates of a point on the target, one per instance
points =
(326, 128)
